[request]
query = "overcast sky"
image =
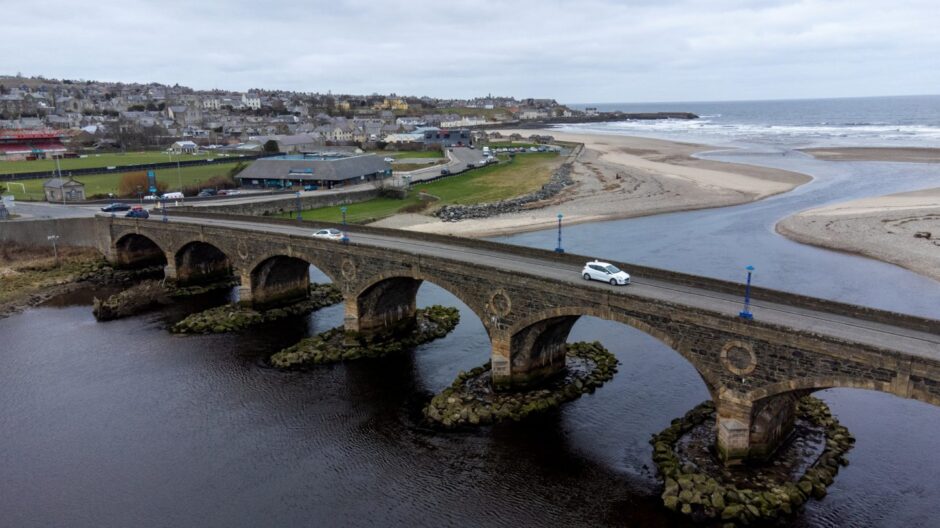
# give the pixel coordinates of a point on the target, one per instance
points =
(573, 51)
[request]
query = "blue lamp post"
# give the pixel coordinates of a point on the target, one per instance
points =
(300, 217)
(345, 239)
(559, 249)
(746, 313)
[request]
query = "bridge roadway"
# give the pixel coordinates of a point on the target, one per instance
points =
(885, 336)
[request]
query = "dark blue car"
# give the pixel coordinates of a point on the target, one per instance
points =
(112, 208)
(138, 212)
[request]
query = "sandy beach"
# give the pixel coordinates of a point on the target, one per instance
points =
(896, 154)
(622, 177)
(903, 229)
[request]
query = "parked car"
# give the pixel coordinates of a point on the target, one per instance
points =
(229, 192)
(329, 234)
(115, 207)
(172, 196)
(445, 171)
(138, 212)
(205, 194)
(605, 272)
(471, 164)
(389, 160)
(151, 197)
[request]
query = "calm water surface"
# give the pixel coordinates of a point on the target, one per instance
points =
(123, 424)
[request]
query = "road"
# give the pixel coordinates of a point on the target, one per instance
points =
(458, 158)
(840, 327)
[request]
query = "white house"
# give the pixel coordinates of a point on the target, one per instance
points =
(184, 147)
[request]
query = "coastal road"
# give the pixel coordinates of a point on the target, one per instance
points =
(458, 158)
(862, 331)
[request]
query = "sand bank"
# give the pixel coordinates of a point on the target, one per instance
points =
(903, 229)
(621, 177)
(899, 154)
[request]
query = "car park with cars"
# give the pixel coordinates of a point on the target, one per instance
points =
(605, 272)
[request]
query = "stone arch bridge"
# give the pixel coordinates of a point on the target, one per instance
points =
(529, 299)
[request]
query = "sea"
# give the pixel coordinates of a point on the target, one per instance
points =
(900, 121)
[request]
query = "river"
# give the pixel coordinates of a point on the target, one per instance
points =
(121, 423)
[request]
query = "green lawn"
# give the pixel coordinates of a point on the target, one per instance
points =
(100, 160)
(105, 183)
(415, 154)
(492, 183)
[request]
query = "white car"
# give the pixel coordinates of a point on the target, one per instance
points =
(605, 272)
(330, 234)
(151, 197)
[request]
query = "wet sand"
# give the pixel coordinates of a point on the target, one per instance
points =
(621, 177)
(902, 229)
(895, 154)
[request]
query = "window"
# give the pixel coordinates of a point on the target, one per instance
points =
(613, 269)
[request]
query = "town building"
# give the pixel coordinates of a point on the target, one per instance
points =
(63, 190)
(184, 147)
(18, 144)
(324, 170)
(446, 137)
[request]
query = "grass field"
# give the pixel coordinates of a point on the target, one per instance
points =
(99, 160)
(105, 183)
(492, 183)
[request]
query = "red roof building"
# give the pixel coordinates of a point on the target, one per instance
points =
(31, 144)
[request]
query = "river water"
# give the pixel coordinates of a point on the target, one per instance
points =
(123, 424)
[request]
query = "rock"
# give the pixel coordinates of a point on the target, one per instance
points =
(732, 512)
(671, 502)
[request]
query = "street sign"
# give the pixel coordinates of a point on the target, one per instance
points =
(152, 181)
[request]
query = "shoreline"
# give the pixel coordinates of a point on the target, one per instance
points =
(619, 177)
(887, 154)
(902, 229)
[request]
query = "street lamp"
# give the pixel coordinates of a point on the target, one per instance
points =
(345, 239)
(299, 217)
(163, 208)
(140, 195)
(55, 251)
(746, 313)
(559, 249)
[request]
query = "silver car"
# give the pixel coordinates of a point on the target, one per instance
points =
(330, 233)
(605, 272)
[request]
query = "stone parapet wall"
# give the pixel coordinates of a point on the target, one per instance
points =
(757, 293)
(71, 231)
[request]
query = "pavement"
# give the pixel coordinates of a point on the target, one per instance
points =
(845, 328)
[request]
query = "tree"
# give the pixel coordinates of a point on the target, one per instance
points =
(132, 182)
(271, 146)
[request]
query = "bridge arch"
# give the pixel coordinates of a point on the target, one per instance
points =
(386, 303)
(137, 251)
(537, 344)
(817, 383)
(198, 261)
(278, 279)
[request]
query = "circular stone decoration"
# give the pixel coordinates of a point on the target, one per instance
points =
(738, 358)
(348, 269)
(500, 303)
(242, 249)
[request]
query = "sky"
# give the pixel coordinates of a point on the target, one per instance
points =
(579, 51)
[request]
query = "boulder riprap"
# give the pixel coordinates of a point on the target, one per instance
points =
(471, 401)
(234, 317)
(338, 345)
(748, 495)
(147, 295)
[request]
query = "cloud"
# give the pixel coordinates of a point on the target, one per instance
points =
(574, 51)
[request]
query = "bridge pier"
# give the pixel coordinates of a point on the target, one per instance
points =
(531, 356)
(276, 281)
(753, 430)
(383, 310)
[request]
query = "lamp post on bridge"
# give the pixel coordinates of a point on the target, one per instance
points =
(300, 217)
(163, 208)
(746, 313)
(558, 248)
(345, 239)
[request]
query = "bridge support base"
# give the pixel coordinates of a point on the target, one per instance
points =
(753, 431)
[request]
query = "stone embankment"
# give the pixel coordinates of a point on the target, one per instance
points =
(338, 345)
(709, 492)
(560, 179)
(235, 317)
(471, 401)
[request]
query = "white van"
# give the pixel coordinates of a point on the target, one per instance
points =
(486, 151)
(173, 196)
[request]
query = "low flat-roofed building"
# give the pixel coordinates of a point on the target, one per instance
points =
(324, 170)
(63, 190)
